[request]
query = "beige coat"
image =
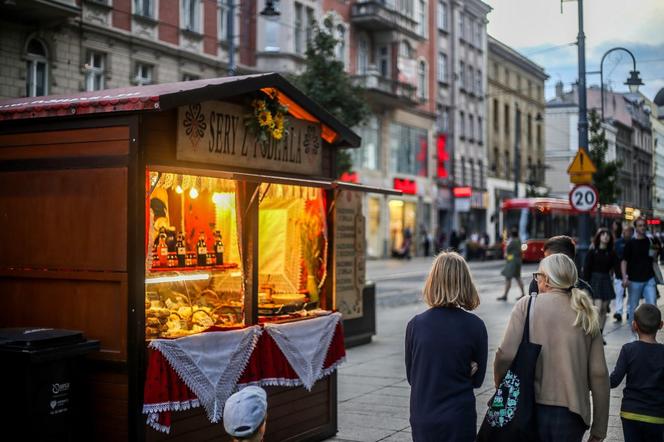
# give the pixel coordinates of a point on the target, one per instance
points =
(571, 364)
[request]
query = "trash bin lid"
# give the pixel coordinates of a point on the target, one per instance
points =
(32, 338)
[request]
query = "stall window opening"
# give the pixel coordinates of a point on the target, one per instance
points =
(193, 267)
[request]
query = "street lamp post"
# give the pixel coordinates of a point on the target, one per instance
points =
(584, 218)
(634, 81)
(517, 150)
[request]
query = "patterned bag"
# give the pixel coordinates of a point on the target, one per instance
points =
(511, 413)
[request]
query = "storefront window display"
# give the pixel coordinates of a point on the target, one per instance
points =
(374, 237)
(403, 220)
(194, 277)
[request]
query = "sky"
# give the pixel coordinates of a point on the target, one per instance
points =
(538, 30)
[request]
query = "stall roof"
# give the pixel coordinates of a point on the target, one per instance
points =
(159, 97)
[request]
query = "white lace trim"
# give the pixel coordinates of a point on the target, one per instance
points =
(297, 353)
(171, 406)
(211, 396)
(153, 421)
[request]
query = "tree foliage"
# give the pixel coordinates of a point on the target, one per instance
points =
(325, 81)
(606, 177)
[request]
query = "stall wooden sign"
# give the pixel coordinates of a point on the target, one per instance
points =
(349, 252)
(215, 132)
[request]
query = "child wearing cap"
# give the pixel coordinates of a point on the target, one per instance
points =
(244, 414)
(642, 409)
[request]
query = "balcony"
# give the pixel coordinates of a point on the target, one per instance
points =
(385, 91)
(376, 15)
(39, 11)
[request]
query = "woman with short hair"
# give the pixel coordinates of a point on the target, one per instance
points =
(600, 265)
(446, 355)
(571, 363)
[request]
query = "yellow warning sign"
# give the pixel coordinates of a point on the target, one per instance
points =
(582, 164)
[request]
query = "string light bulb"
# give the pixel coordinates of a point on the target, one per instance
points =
(178, 189)
(193, 193)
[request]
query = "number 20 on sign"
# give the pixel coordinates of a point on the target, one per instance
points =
(583, 197)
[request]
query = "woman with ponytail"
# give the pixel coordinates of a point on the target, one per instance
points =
(571, 363)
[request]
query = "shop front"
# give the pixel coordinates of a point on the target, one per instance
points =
(196, 230)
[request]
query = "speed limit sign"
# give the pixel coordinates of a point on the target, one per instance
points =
(583, 197)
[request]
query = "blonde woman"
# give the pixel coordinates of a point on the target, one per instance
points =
(571, 363)
(446, 354)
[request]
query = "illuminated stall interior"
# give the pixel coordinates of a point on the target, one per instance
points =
(194, 274)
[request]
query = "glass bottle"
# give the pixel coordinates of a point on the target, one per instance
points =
(201, 250)
(181, 251)
(162, 251)
(218, 248)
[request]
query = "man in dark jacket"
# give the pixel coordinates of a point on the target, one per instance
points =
(565, 245)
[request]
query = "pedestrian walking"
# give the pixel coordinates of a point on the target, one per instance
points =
(425, 238)
(642, 408)
(245, 413)
(512, 268)
(454, 241)
(571, 362)
(565, 245)
(600, 264)
(446, 355)
(618, 288)
(637, 268)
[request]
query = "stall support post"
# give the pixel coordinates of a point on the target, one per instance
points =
(249, 237)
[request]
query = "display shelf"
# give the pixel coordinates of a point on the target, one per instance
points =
(229, 266)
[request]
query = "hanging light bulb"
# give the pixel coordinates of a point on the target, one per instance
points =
(178, 189)
(193, 193)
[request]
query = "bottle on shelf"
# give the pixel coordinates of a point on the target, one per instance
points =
(181, 251)
(201, 250)
(162, 251)
(218, 248)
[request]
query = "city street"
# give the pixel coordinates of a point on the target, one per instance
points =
(373, 391)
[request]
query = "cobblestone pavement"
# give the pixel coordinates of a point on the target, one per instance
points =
(373, 391)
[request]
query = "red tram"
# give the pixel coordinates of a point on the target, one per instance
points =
(538, 219)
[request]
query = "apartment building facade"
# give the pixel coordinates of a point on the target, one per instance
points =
(515, 90)
(628, 131)
(461, 55)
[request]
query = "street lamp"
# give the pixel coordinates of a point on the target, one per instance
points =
(633, 82)
(270, 11)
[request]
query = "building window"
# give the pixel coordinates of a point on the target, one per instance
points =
(224, 21)
(496, 116)
(299, 34)
(471, 127)
(422, 25)
(311, 21)
(507, 120)
(143, 74)
(368, 155)
(478, 34)
(495, 166)
(480, 131)
(508, 165)
(442, 67)
(442, 16)
(191, 15)
(462, 27)
(463, 171)
(471, 166)
(409, 150)
(272, 36)
(384, 61)
(144, 8)
(341, 44)
(443, 119)
(471, 79)
(462, 74)
(529, 129)
(95, 66)
(462, 125)
(480, 166)
(36, 80)
(507, 78)
(478, 82)
(539, 136)
(422, 79)
(190, 77)
(362, 55)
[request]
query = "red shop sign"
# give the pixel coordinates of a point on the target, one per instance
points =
(405, 185)
(462, 192)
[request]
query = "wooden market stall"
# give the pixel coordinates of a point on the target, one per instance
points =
(184, 219)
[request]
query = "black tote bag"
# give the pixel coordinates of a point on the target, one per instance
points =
(511, 413)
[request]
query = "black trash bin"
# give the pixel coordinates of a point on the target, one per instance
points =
(40, 370)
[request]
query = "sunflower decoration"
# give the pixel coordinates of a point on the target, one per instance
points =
(268, 119)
